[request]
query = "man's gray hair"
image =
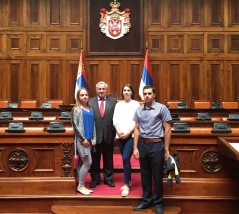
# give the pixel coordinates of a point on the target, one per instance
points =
(101, 83)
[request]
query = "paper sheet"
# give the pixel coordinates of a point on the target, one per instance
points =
(235, 146)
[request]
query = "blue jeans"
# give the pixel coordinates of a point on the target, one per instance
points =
(126, 150)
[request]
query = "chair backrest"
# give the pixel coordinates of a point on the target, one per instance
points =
(55, 103)
(28, 103)
(200, 104)
(3, 103)
(172, 104)
(230, 104)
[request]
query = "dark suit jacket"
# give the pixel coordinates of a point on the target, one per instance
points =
(104, 126)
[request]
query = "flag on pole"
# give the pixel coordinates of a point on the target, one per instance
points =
(81, 80)
(146, 78)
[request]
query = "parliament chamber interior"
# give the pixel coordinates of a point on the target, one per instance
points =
(193, 49)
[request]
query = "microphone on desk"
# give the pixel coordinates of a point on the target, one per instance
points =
(35, 115)
(5, 115)
(46, 105)
(234, 116)
(178, 106)
(202, 115)
(12, 105)
(65, 115)
(178, 127)
(221, 127)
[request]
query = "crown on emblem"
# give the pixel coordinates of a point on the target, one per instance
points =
(115, 23)
(115, 5)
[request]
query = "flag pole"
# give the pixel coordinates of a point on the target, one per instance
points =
(146, 78)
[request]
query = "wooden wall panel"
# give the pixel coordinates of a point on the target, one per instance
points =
(74, 43)
(216, 43)
(201, 36)
(3, 84)
(115, 76)
(75, 18)
(175, 44)
(195, 12)
(233, 12)
(55, 43)
(233, 43)
(55, 80)
(176, 12)
(31, 85)
(34, 92)
(197, 90)
(15, 68)
(35, 13)
(1, 13)
(215, 79)
(156, 69)
(216, 13)
(93, 76)
(71, 74)
(156, 12)
(174, 70)
(195, 44)
(15, 44)
(235, 77)
(55, 13)
(135, 68)
(1, 43)
(35, 43)
(156, 43)
(232, 80)
(15, 15)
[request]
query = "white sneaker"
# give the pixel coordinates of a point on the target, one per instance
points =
(83, 190)
(124, 190)
(89, 190)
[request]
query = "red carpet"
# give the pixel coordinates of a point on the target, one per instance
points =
(118, 162)
(103, 190)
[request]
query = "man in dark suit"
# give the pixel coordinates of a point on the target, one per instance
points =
(103, 108)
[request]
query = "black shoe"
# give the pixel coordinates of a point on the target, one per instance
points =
(159, 210)
(141, 206)
(110, 183)
(93, 184)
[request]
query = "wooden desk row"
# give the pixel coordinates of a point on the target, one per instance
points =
(67, 123)
(35, 123)
(43, 163)
(57, 111)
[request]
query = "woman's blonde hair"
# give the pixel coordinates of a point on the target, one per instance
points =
(78, 103)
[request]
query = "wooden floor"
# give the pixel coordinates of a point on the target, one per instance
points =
(60, 209)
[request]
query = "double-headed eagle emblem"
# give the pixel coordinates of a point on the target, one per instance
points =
(115, 23)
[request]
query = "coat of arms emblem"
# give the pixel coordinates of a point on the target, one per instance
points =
(115, 23)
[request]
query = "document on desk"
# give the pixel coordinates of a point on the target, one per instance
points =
(235, 146)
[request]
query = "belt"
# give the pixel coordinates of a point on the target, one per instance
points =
(151, 140)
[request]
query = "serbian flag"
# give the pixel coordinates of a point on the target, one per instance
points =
(146, 78)
(81, 81)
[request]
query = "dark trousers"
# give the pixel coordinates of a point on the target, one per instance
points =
(126, 150)
(151, 168)
(107, 151)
